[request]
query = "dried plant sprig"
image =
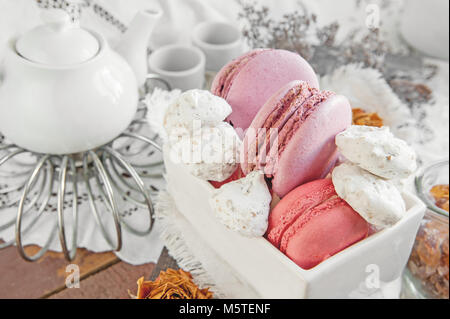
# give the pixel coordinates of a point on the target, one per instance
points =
(290, 33)
(300, 32)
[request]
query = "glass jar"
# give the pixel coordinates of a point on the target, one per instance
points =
(427, 273)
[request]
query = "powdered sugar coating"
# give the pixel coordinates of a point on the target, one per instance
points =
(378, 151)
(211, 153)
(244, 205)
(195, 105)
(377, 200)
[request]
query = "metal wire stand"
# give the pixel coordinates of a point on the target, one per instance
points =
(107, 169)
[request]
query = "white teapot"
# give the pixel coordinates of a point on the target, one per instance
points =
(63, 90)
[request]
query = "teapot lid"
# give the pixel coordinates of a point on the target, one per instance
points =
(58, 42)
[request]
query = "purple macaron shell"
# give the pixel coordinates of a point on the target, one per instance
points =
(311, 151)
(260, 78)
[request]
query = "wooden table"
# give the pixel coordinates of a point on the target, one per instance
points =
(103, 276)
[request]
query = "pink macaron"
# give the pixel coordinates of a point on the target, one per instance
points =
(312, 224)
(292, 138)
(249, 81)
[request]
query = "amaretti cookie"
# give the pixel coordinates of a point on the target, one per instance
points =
(374, 198)
(378, 151)
(195, 105)
(211, 154)
(244, 205)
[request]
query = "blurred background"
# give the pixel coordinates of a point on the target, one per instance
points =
(424, 21)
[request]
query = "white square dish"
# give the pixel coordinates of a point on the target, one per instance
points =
(273, 275)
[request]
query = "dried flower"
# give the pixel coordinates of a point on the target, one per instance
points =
(411, 92)
(429, 261)
(440, 195)
(360, 117)
(300, 32)
(430, 257)
(172, 284)
(290, 33)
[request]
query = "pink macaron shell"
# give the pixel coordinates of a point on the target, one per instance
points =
(278, 108)
(295, 204)
(290, 128)
(261, 78)
(311, 151)
(275, 102)
(326, 230)
(229, 71)
(224, 73)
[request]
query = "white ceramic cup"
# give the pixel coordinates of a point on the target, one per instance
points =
(425, 26)
(183, 67)
(221, 42)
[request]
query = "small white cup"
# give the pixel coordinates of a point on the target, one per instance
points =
(183, 67)
(424, 26)
(221, 42)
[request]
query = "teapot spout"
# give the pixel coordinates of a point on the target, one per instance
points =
(134, 44)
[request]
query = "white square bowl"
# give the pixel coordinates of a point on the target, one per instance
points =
(273, 275)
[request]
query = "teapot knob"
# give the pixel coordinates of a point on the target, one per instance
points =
(57, 19)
